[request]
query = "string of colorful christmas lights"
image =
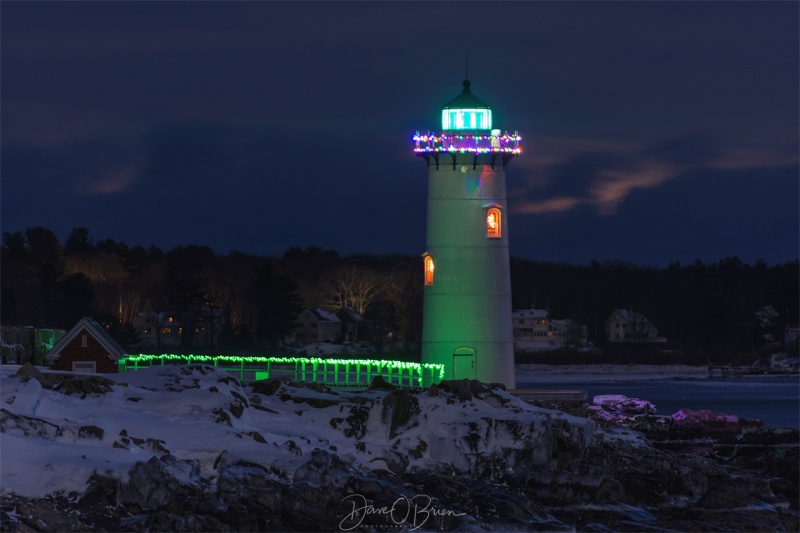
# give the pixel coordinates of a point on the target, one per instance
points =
(438, 138)
(467, 143)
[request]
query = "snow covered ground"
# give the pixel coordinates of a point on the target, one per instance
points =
(53, 442)
(189, 448)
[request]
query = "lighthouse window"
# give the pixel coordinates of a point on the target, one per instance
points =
(494, 223)
(429, 268)
(466, 119)
(483, 122)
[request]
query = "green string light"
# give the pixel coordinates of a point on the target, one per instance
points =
(148, 359)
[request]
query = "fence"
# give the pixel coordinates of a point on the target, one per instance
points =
(339, 373)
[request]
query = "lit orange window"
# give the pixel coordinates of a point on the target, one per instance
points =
(429, 267)
(494, 223)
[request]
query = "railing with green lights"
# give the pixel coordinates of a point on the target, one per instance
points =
(343, 373)
(481, 144)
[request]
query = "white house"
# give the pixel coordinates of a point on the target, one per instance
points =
(626, 325)
(534, 329)
(317, 325)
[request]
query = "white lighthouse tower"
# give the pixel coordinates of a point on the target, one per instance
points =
(467, 299)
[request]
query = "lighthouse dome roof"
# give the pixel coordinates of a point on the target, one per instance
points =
(466, 100)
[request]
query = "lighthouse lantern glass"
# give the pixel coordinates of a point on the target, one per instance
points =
(466, 119)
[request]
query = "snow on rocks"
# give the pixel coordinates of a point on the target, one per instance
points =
(712, 422)
(196, 412)
(619, 408)
(191, 448)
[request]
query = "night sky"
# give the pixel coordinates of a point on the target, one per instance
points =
(652, 132)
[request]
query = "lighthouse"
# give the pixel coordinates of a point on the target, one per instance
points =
(467, 279)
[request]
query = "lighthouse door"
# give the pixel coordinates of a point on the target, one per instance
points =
(464, 363)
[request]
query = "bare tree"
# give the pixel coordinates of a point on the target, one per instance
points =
(351, 285)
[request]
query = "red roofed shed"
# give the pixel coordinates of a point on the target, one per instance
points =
(87, 347)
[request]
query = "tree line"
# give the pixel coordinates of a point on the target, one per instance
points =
(705, 309)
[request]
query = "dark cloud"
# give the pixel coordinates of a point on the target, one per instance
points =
(712, 213)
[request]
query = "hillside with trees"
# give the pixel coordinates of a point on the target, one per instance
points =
(704, 310)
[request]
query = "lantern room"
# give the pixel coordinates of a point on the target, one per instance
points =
(466, 112)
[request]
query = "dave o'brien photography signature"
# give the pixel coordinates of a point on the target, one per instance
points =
(413, 512)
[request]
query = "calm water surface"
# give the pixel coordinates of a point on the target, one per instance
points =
(775, 401)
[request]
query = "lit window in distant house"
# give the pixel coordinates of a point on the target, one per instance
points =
(84, 341)
(494, 223)
(429, 268)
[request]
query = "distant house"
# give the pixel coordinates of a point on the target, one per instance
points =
(158, 329)
(530, 324)
(791, 335)
(534, 329)
(87, 347)
(317, 325)
(354, 326)
(626, 325)
(768, 323)
(164, 329)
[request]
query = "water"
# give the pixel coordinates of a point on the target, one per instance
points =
(775, 401)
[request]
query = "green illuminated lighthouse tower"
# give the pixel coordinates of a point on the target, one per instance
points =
(467, 300)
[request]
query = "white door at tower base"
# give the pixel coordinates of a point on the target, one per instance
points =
(464, 363)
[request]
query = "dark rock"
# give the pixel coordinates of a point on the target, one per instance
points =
(26, 425)
(292, 447)
(170, 522)
(151, 487)
(355, 424)
(29, 371)
(267, 387)
(403, 406)
(319, 403)
(258, 437)
(379, 383)
(464, 389)
(221, 416)
(102, 490)
(323, 469)
(85, 385)
(397, 463)
(236, 409)
(90, 432)
(314, 501)
(609, 490)
(420, 450)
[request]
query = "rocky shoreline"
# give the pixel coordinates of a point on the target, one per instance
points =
(461, 456)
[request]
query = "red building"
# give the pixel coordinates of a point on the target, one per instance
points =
(87, 347)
